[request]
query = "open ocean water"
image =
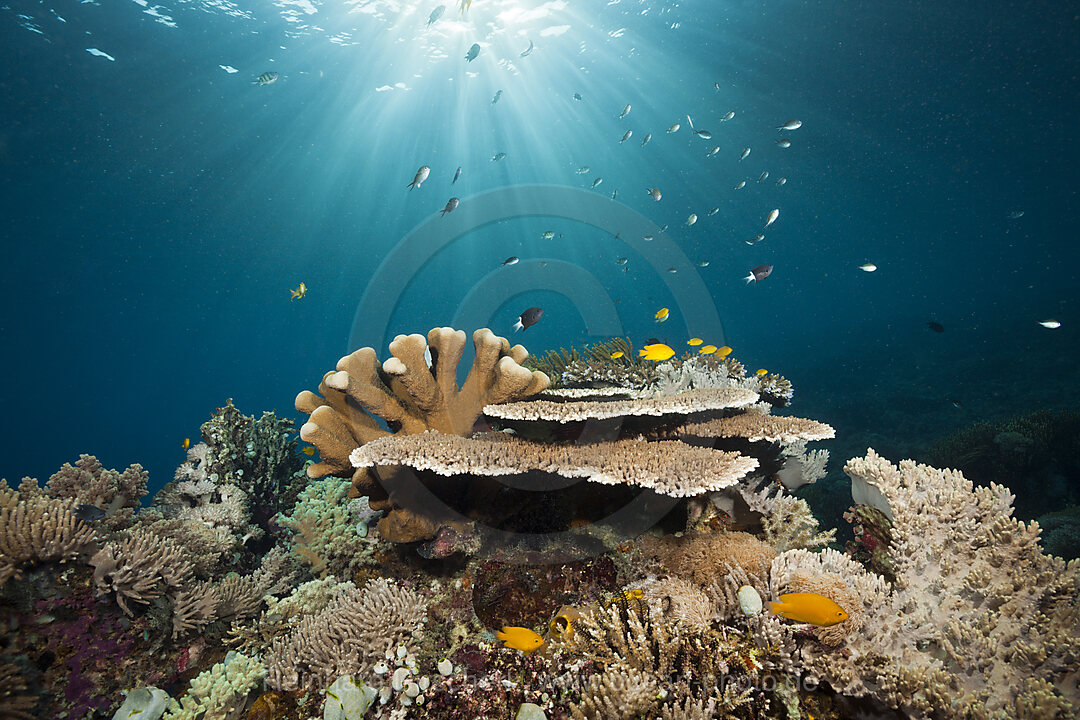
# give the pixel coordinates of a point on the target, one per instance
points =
(158, 203)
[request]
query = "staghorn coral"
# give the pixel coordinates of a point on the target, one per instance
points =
(87, 482)
(35, 528)
(788, 521)
(356, 628)
(979, 624)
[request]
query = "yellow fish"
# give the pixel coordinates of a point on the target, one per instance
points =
(707, 349)
(661, 315)
(808, 608)
(308, 450)
(694, 341)
(761, 371)
(616, 355)
(299, 292)
(186, 444)
(519, 638)
(657, 352)
(724, 351)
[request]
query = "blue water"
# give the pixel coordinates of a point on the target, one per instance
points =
(157, 209)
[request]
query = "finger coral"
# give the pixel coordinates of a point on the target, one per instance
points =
(35, 528)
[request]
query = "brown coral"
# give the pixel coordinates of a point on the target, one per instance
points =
(757, 427)
(683, 403)
(698, 557)
(115, 493)
(36, 529)
(140, 567)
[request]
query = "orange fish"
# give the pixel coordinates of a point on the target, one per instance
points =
(308, 450)
(809, 608)
(519, 638)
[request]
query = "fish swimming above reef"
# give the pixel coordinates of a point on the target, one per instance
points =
(456, 175)
(267, 78)
(512, 260)
(186, 444)
(528, 318)
(745, 154)
(657, 352)
(436, 14)
(519, 638)
(498, 156)
(527, 52)
(626, 136)
(935, 326)
(758, 274)
(474, 52)
(727, 117)
(808, 608)
(420, 177)
(625, 112)
(577, 96)
(645, 140)
(662, 315)
(694, 341)
(674, 128)
(298, 293)
(707, 349)
(703, 134)
(790, 125)
(597, 181)
(1050, 324)
(654, 193)
(308, 450)
(784, 142)
(773, 214)
(868, 267)
(451, 205)
(495, 99)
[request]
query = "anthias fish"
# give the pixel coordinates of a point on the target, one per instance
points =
(528, 318)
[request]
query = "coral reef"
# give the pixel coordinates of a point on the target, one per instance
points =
(36, 528)
(979, 623)
(116, 494)
(593, 367)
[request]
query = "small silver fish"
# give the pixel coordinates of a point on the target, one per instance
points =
(625, 112)
(781, 181)
(496, 98)
(626, 136)
(548, 234)
(713, 211)
(755, 240)
(703, 263)
(646, 139)
(703, 134)
(784, 142)
(456, 175)
(654, 193)
(421, 176)
(740, 185)
(868, 267)
(674, 128)
(528, 52)
(763, 176)
(615, 193)
(1050, 324)
(672, 270)
(497, 157)
(622, 261)
(790, 125)
(691, 219)
(713, 151)
(663, 227)
(745, 154)
(597, 181)
(728, 116)
(451, 205)
(773, 214)
(583, 170)
(512, 260)
(577, 96)
(1016, 214)
(717, 86)
(647, 238)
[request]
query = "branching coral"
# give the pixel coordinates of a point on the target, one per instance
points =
(220, 691)
(140, 567)
(593, 366)
(37, 529)
(980, 623)
(115, 493)
(618, 693)
(325, 535)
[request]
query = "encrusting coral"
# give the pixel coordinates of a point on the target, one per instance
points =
(980, 623)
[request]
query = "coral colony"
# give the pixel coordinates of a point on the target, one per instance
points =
(625, 526)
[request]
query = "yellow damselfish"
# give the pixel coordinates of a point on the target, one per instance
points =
(724, 351)
(308, 450)
(519, 638)
(707, 349)
(616, 355)
(761, 371)
(694, 341)
(808, 608)
(657, 352)
(662, 315)
(186, 444)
